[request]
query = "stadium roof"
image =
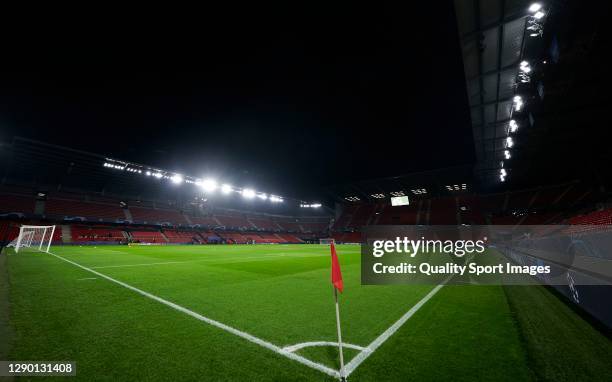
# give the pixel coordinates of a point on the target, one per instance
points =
(493, 41)
(446, 181)
(553, 55)
(51, 168)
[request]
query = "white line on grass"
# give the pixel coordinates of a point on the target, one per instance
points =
(142, 264)
(262, 257)
(239, 333)
(297, 347)
(371, 348)
(87, 278)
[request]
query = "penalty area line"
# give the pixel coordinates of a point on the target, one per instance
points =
(365, 353)
(210, 321)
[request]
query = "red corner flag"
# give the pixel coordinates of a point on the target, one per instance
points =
(336, 274)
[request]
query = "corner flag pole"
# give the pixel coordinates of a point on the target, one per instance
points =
(342, 376)
(338, 284)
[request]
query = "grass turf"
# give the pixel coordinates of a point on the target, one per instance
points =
(279, 293)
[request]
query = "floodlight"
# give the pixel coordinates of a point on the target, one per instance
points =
(248, 193)
(226, 189)
(208, 184)
(518, 102)
(177, 179)
(158, 175)
(509, 142)
(538, 15)
(503, 172)
(524, 67)
(513, 125)
(535, 7)
(275, 199)
(502, 178)
(262, 196)
(507, 154)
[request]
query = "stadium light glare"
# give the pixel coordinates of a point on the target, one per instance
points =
(209, 185)
(524, 67)
(226, 189)
(158, 175)
(276, 199)
(262, 196)
(513, 125)
(518, 103)
(248, 193)
(509, 142)
(177, 179)
(507, 154)
(538, 15)
(502, 178)
(148, 173)
(535, 7)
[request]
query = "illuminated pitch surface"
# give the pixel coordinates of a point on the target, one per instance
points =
(281, 294)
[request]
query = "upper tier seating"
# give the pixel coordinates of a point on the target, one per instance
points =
(208, 221)
(16, 204)
(63, 208)
(157, 216)
(443, 211)
(237, 221)
(401, 215)
(264, 223)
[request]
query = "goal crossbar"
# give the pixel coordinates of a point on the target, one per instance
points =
(34, 236)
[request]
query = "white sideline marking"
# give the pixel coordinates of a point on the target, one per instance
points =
(239, 333)
(142, 264)
(263, 257)
(87, 278)
(371, 348)
(297, 347)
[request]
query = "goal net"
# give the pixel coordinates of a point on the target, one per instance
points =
(327, 241)
(33, 237)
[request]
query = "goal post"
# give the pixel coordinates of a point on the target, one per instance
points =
(34, 237)
(327, 241)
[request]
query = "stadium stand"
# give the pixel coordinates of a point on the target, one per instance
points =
(17, 204)
(69, 209)
(233, 237)
(207, 221)
(175, 236)
(290, 238)
(443, 211)
(593, 218)
(148, 237)
(234, 221)
(288, 224)
(263, 223)
(8, 231)
(157, 216)
(83, 234)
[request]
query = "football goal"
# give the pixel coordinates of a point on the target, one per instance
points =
(327, 241)
(35, 237)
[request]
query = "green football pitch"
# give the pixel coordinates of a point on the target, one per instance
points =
(266, 312)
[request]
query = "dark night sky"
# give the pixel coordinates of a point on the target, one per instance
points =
(285, 103)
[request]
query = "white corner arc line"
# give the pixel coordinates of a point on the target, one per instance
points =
(359, 358)
(296, 347)
(239, 333)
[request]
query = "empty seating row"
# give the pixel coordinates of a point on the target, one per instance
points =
(63, 208)
(156, 216)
